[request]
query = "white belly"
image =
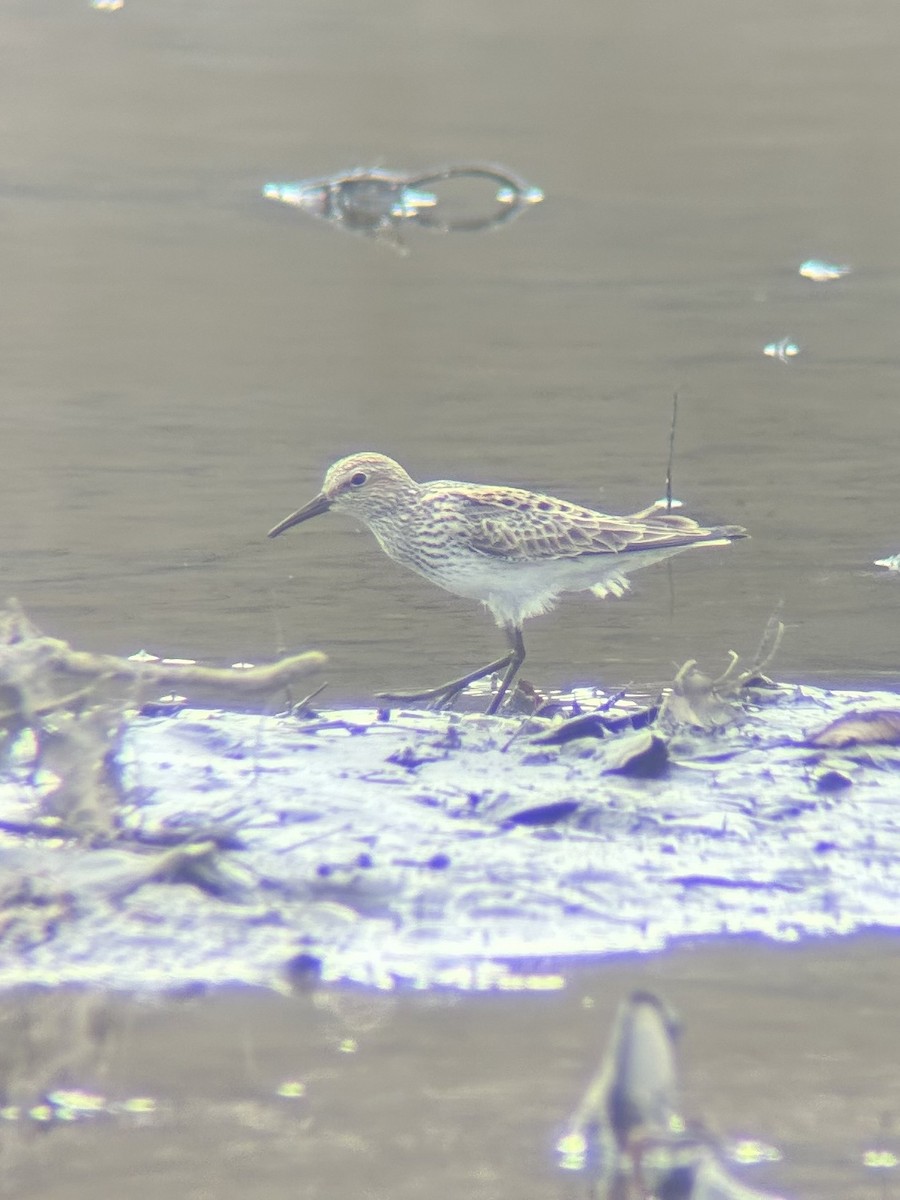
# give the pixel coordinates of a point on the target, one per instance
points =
(515, 591)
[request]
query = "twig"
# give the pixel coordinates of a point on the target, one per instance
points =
(671, 452)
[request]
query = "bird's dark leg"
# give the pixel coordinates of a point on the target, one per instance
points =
(516, 657)
(510, 663)
(447, 691)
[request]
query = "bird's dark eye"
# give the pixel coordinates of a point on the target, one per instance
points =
(359, 478)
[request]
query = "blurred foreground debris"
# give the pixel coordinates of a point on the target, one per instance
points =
(74, 703)
(377, 202)
(628, 1134)
(55, 1048)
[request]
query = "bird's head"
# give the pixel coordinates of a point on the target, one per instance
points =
(365, 485)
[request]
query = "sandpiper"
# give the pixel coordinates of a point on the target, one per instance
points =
(515, 551)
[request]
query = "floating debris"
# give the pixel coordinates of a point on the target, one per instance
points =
(366, 203)
(892, 562)
(529, 195)
(782, 350)
(880, 1160)
(107, 5)
(143, 656)
(820, 271)
(291, 1089)
(75, 1104)
(376, 202)
(140, 1106)
(750, 1152)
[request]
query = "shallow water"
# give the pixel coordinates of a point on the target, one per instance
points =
(412, 1095)
(183, 359)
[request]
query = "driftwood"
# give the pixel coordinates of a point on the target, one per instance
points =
(74, 703)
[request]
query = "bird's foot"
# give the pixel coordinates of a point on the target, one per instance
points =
(446, 693)
(438, 696)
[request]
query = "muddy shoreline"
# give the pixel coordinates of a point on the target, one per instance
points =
(418, 849)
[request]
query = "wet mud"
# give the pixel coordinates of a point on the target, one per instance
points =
(392, 847)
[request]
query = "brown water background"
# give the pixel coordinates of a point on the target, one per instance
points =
(182, 359)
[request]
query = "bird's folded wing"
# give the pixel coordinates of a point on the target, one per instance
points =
(522, 526)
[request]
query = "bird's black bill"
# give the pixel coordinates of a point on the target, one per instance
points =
(315, 508)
